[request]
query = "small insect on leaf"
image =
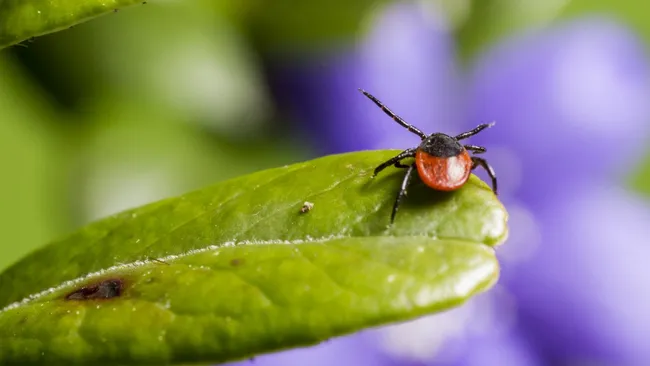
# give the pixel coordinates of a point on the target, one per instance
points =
(306, 207)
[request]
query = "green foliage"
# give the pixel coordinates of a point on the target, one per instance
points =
(237, 269)
(295, 26)
(31, 160)
(632, 13)
(286, 26)
(23, 19)
(490, 21)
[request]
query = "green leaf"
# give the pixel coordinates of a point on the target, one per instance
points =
(33, 188)
(23, 19)
(632, 13)
(488, 22)
(237, 269)
(299, 26)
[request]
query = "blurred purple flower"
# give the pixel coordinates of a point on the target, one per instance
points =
(407, 61)
(572, 116)
(571, 104)
(582, 295)
(570, 101)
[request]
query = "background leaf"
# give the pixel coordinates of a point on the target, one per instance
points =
(32, 162)
(297, 27)
(236, 269)
(23, 19)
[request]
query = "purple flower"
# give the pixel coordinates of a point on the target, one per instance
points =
(582, 295)
(571, 107)
(572, 113)
(570, 103)
(406, 61)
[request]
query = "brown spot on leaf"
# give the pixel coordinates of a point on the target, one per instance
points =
(106, 289)
(236, 262)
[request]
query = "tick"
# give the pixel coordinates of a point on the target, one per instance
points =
(441, 161)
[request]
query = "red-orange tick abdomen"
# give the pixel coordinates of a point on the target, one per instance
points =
(443, 173)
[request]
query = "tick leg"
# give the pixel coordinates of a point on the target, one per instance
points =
(483, 163)
(403, 190)
(395, 117)
(409, 153)
(473, 132)
(475, 149)
(400, 165)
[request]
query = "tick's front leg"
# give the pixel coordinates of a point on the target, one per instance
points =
(484, 164)
(403, 190)
(409, 153)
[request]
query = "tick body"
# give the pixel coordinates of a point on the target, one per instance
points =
(441, 161)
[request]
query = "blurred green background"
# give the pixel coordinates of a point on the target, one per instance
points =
(159, 99)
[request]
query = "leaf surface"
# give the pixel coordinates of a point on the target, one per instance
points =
(237, 269)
